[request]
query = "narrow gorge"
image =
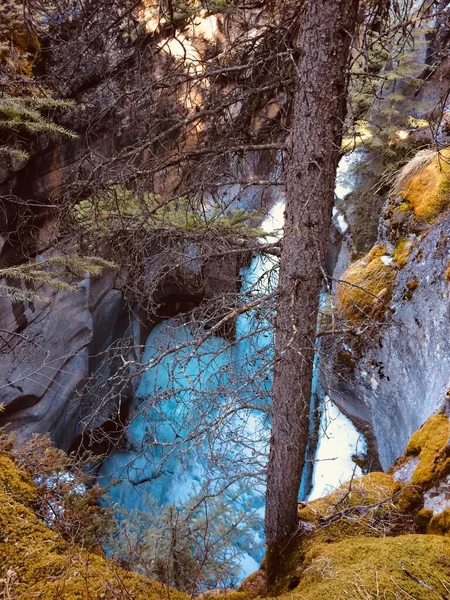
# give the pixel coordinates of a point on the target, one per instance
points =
(145, 161)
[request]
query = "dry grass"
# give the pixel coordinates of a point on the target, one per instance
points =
(412, 168)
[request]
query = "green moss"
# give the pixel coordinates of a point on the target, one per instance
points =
(423, 518)
(409, 498)
(42, 565)
(365, 490)
(429, 443)
(364, 568)
(440, 523)
(404, 207)
(368, 506)
(361, 541)
(366, 287)
(402, 251)
(15, 482)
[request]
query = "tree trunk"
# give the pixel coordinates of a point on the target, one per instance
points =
(325, 34)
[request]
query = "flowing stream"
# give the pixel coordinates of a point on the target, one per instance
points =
(200, 424)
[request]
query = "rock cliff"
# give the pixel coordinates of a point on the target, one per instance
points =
(393, 369)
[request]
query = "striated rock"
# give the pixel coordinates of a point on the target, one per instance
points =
(45, 361)
(392, 368)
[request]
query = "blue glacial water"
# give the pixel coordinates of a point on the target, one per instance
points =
(199, 425)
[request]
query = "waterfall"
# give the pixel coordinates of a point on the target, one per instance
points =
(199, 423)
(180, 437)
(338, 440)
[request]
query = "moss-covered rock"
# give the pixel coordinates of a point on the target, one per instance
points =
(430, 445)
(423, 518)
(440, 523)
(364, 539)
(37, 563)
(366, 286)
(411, 566)
(424, 184)
(402, 250)
(372, 537)
(425, 466)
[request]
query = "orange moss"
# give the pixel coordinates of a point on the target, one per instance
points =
(447, 272)
(427, 190)
(366, 287)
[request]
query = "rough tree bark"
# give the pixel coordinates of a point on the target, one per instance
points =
(324, 38)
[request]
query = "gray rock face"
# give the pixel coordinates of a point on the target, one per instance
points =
(60, 360)
(403, 374)
(45, 360)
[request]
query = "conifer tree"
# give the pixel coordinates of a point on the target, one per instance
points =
(324, 37)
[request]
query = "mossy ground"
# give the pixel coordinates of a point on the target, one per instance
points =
(16, 483)
(359, 543)
(366, 287)
(361, 568)
(37, 563)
